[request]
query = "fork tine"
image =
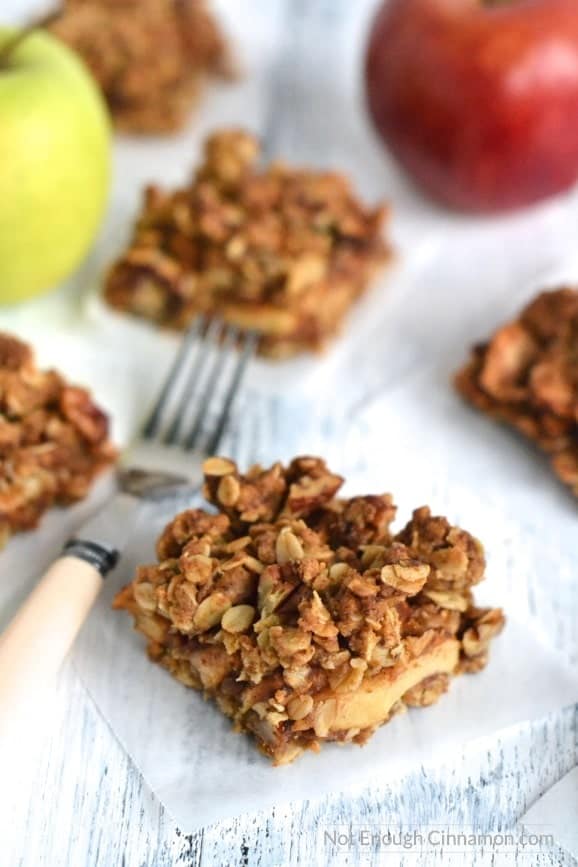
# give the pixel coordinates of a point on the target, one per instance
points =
(155, 419)
(229, 336)
(193, 378)
(187, 393)
(250, 340)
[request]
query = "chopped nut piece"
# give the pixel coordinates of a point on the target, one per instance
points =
(210, 611)
(145, 596)
(53, 440)
(449, 600)
(196, 568)
(316, 618)
(300, 707)
(280, 251)
(338, 571)
(527, 377)
(311, 622)
(238, 619)
(407, 577)
(218, 467)
(288, 547)
(228, 491)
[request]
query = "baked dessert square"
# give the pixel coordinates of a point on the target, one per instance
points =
(150, 58)
(53, 439)
(281, 251)
(527, 376)
(300, 613)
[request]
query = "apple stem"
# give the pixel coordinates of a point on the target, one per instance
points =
(8, 49)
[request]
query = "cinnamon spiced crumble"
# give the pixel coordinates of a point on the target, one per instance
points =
(301, 614)
(281, 251)
(527, 376)
(149, 57)
(53, 439)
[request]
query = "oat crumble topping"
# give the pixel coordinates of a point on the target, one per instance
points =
(149, 57)
(301, 614)
(278, 250)
(53, 439)
(527, 376)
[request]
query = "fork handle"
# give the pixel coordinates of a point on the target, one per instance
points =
(35, 643)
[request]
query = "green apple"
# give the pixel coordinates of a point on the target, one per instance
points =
(54, 164)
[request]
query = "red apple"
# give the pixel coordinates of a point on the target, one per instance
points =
(478, 99)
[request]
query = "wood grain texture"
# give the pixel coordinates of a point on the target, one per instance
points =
(78, 802)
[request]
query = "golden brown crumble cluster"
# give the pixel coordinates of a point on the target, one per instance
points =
(53, 439)
(150, 57)
(301, 614)
(527, 376)
(278, 250)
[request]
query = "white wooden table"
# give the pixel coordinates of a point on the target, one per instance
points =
(80, 803)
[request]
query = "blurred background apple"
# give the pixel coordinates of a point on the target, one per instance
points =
(478, 99)
(55, 164)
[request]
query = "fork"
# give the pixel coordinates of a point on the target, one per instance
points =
(186, 424)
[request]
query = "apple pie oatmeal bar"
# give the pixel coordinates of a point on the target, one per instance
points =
(149, 57)
(53, 439)
(278, 250)
(527, 376)
(301, 614)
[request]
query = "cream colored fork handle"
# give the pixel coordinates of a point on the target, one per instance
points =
(35, 643)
